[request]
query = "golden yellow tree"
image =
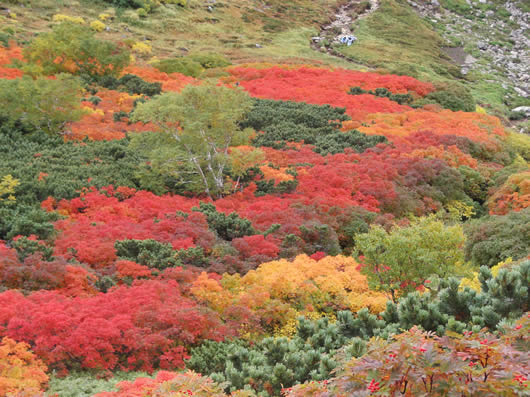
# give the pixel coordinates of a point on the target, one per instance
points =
(20, 370)
(7, 188)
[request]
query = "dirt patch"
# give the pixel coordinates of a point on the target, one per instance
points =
(457, 54)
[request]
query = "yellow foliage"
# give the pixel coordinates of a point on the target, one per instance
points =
(474, 283)
(7, 188)
(90, 110)
(332, 280)
(520, 143)
(280, 175)
(278, 292)
(178, 2)
(141, 48)
(459, 210)
(104, 17)
(288, 330)
(211, 292)
(98, 26)
(142, 12)
(124, 98)
(68, 18)
(153, 60)
(245, 157)
(480, 109)
(20, 370)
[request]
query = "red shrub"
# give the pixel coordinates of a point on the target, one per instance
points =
(139, 327)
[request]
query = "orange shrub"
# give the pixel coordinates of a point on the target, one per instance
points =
(170, 82)
(477, 127)
(513, 195)
(99, 124)
(20, 370)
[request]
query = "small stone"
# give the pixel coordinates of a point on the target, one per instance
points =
(259, 46)
(523, 93)
(469, 60)
(522, 109)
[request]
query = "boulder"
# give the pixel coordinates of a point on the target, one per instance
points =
(522, 109)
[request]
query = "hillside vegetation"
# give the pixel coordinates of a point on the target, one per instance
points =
(218, 198)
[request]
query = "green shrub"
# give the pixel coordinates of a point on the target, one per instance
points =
(64, 168)
(26, 220)
(286, 121)
(183, 65)
(452, 96)
(383, 93)
(458, 6)
(149, 253)
(210, 61)
(47, 166)
(42, 104)
(147, 5)
(319, 238)
(514, 116)
(5, 38)
(129, 83)
(193, 256)
(86, 384)
(399, 260)
(338, 141)
(273, 363)
(475, 184)
(227, 227)
(269, 187)
(78, 49)
(493, 239)
(26, 247)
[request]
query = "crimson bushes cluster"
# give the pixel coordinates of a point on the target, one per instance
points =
(146, 326)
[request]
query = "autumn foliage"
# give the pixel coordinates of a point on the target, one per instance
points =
(513, 195)
(7, 57)
(112, 262)
(20, 369)
(144, 326)
(417, 362)
(172, 384)
(288, 287)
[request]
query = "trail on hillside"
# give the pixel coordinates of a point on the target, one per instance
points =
(341, 25)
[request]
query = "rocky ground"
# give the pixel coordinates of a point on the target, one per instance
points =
(489, 37)
(341, 24)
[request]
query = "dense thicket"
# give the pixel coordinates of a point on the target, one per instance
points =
(77, 50)
(47, 166)
(495, 238)
(286, 121)
(383, 93)
(45, 105)
(275, 363)
(130, 83)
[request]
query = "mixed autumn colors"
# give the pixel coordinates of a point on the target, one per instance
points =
(140, 277)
